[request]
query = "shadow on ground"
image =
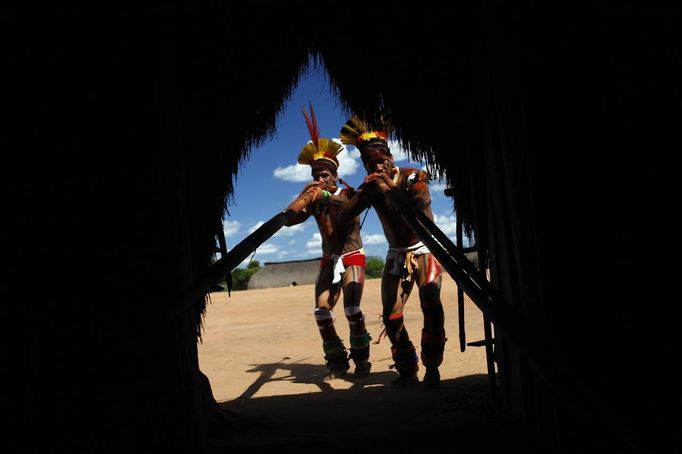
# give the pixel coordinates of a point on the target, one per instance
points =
(371, 414)
(312, 374)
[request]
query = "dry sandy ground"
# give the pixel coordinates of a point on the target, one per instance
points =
(263, 355)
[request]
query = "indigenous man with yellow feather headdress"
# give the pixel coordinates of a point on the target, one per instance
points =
(343, 262)
(408, 260)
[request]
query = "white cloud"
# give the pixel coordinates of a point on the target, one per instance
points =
(447, 223)
(374, 238)
(398, 152)
(231, 227)
(314, 245)
(349, 162)
(290, 231)
(267, 248)
(315, 242)
(292, 242)
(438, 187)
(376, 251)
(298, 173)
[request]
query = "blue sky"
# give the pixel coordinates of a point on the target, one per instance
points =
(271, 179)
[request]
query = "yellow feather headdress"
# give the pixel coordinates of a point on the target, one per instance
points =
(318, 147)
(356, 132)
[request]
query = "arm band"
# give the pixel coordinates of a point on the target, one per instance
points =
(326, 195)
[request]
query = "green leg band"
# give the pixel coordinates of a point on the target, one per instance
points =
(360, 341)
(333, 347)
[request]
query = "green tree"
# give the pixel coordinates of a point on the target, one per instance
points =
(374, 267)
(241, 276)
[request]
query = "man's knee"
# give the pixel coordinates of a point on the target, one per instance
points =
(323, 316)
(353, 314)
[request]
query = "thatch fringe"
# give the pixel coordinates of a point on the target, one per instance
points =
(234, 81)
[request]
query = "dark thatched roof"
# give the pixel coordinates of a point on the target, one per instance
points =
(126, 128)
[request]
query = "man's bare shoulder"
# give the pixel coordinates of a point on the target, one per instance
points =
(407, 176)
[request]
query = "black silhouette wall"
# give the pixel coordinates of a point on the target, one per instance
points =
(124, 128)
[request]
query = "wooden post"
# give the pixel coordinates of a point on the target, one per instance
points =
(240, 252)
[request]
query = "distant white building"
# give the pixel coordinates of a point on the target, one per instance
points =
(285, 274)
